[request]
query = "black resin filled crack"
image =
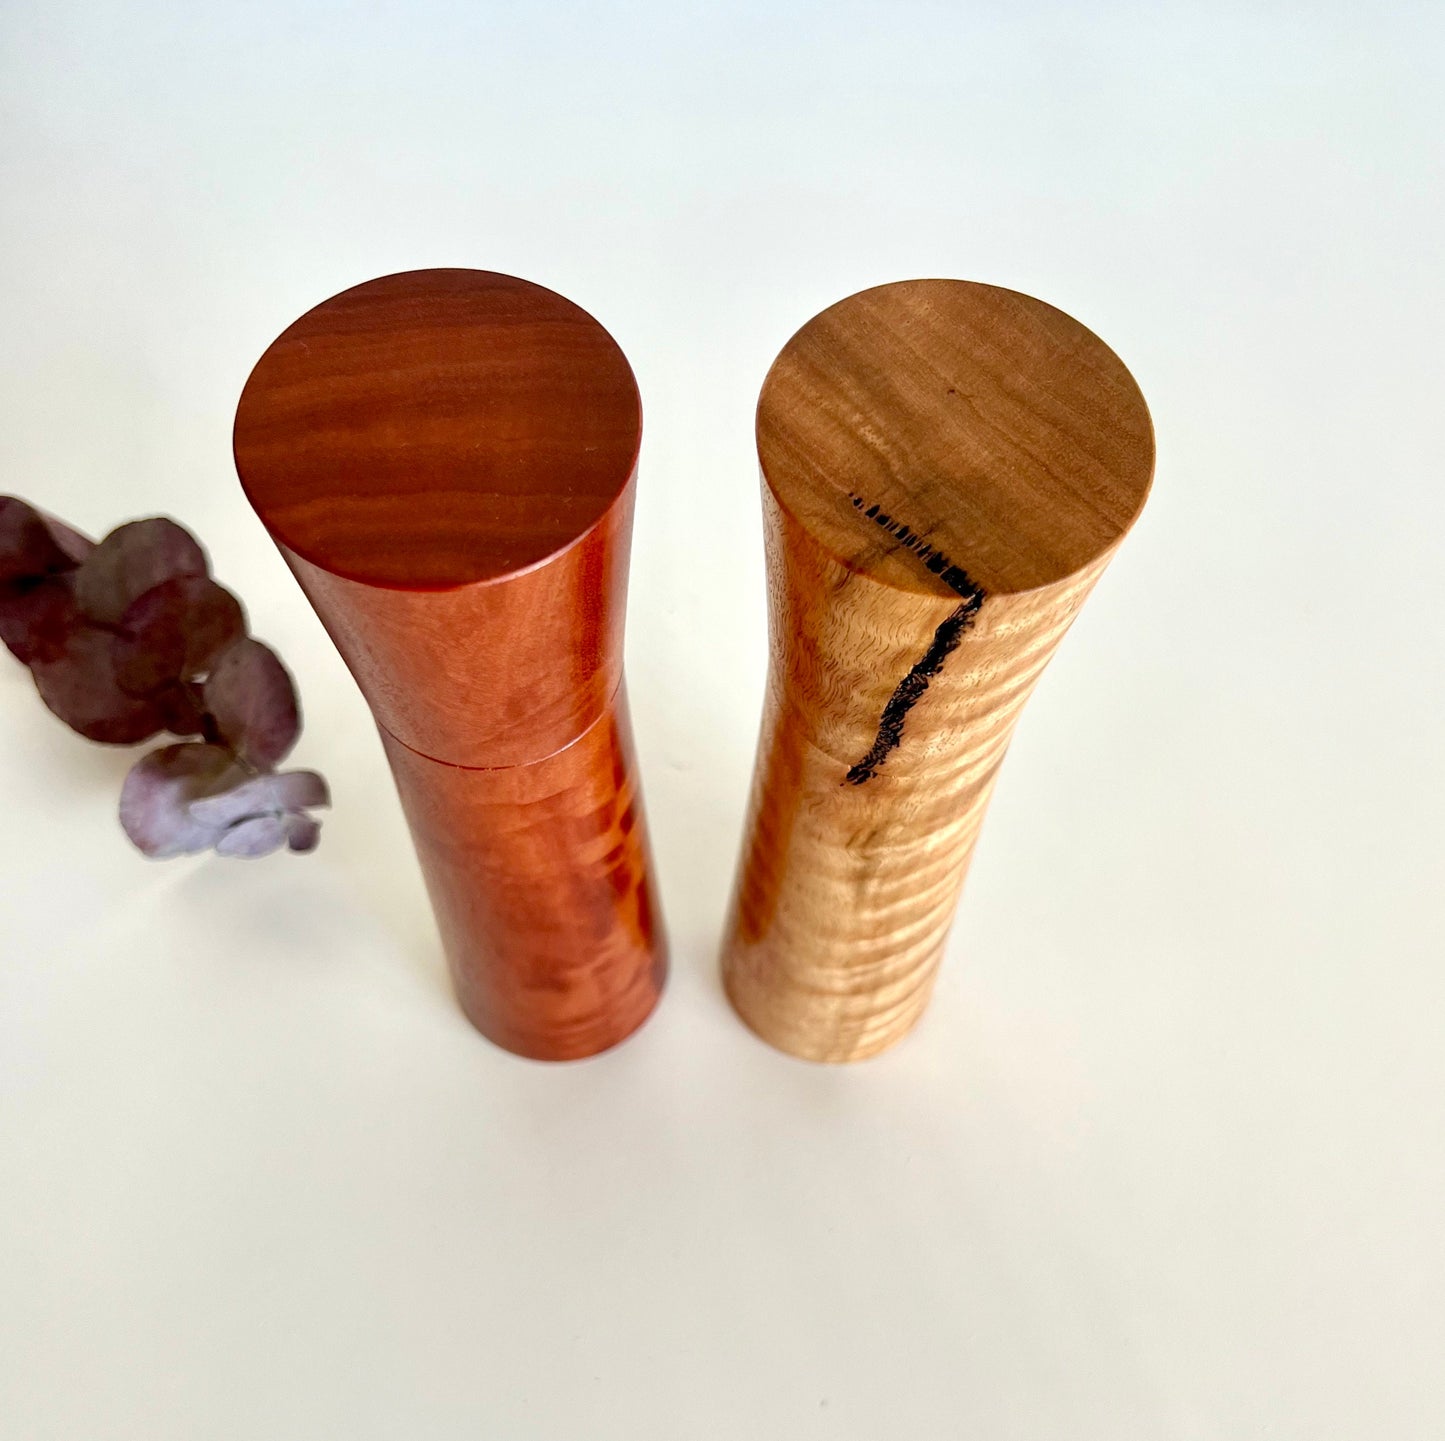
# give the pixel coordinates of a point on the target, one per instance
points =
(945, 641)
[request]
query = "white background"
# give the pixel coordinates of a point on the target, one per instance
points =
(1166, 1158)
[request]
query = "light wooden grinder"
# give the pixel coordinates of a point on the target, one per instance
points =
(947, 469)
(447, 461)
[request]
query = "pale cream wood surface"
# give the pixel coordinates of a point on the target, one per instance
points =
(947, 469)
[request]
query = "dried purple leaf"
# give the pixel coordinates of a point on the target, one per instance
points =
(72, 543)
(78, 684)
(132, 636)
(302, 790)
(179, 709)
(156, 800)
(31, 545)
(250, 839)
(131, 560)
(302, 831)
(174, 632)
(37, 616)
(267, 794)
(250, 697)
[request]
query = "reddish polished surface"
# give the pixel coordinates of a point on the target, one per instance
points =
(492, 674)
(437, 427)
(446, 459)
(539, 876)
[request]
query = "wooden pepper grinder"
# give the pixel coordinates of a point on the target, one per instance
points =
(947, 469)
(447, 461)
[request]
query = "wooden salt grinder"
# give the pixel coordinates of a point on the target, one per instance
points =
(447, 461)
(947, 469)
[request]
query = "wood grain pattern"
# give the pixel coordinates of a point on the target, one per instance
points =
(947, 469)
(447, 461)
(430, 429)
(540, 879)
(496, 673)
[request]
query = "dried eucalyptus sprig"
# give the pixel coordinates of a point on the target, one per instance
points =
(131, 638)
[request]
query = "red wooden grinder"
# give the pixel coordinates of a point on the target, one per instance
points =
(447, 461)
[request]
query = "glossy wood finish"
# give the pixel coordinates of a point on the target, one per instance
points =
(948, 468)
(447, 462)
(438, 427)
(497, 673)
(539, 876)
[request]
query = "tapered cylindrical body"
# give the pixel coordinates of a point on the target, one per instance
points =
(447, 461)
(947, 468)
